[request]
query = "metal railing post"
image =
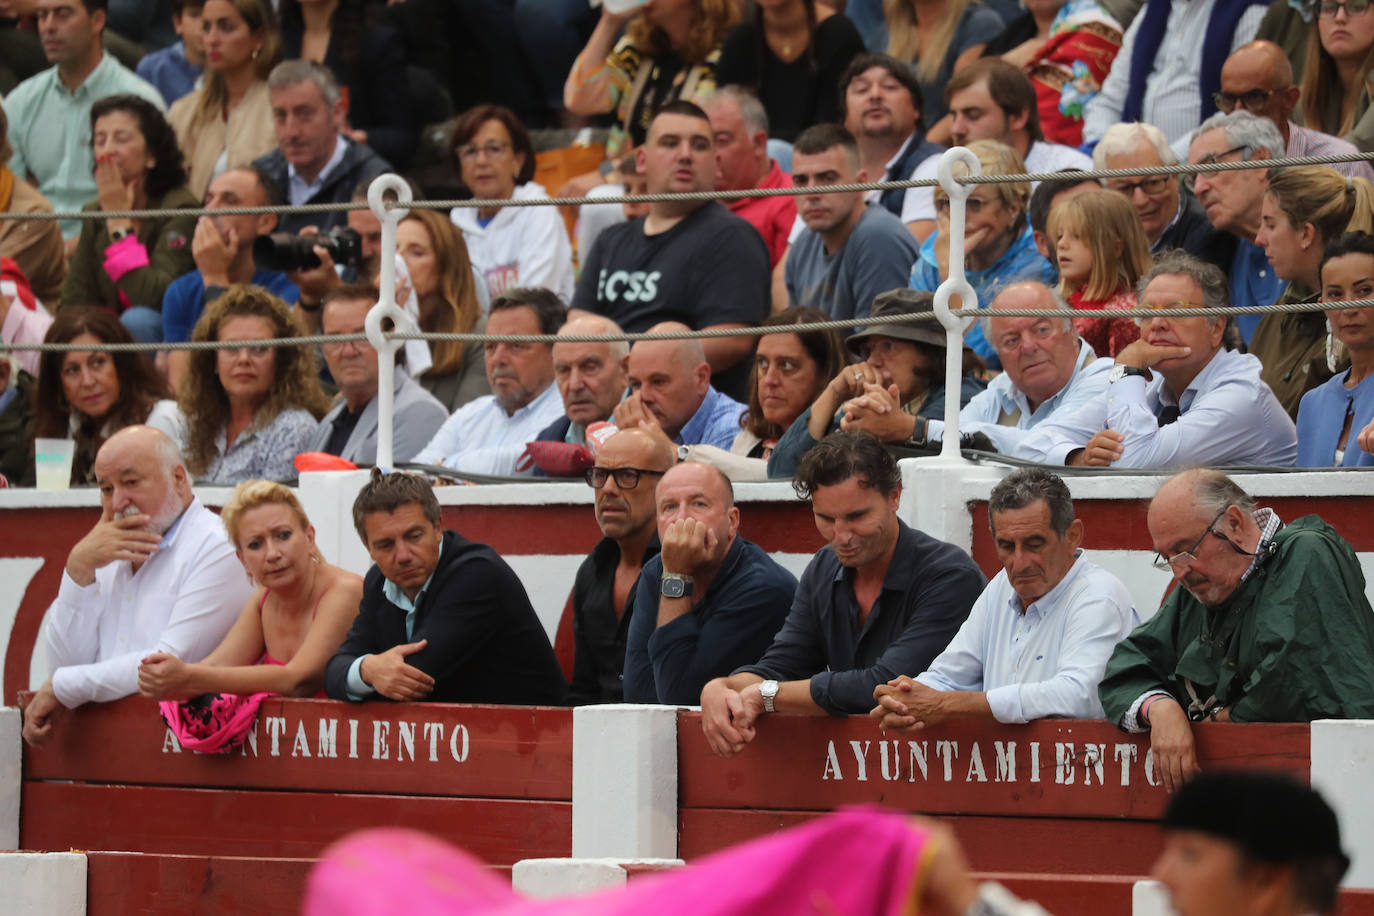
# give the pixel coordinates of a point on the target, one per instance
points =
(386, 308)
(956, 284)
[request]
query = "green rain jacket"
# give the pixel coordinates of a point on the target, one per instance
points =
(1294, 643)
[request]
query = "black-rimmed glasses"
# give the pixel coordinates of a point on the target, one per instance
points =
(625, 478)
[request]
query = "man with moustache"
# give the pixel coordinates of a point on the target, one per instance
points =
(1271, 624)
(850, 251)
(488, 435)
(879, 599)
(1174, 397)
(628, 468)
(590, 377)
(1038, 638)
(155, 574)
(880, 104)
(709, 602)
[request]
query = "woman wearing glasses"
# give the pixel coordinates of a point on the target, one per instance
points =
(250, 409)
(510, 246)
(1336, 420)
(90, 395)
(1335, 87)
(1303, 208)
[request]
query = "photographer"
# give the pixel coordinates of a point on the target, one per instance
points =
(223, 251)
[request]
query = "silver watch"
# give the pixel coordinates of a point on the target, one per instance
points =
(769, 691)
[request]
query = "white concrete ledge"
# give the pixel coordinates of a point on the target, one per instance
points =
(1149, 898)
(11, 778)
(1342, 758)
(563, 877)
(50, 883)
(624, 782)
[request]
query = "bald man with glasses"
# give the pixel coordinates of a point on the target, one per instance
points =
(1269, 623)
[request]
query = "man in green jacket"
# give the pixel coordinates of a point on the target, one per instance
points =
(1271, 624)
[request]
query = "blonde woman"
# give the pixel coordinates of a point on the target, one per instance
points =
(250, 409)
(1102, 252)
(227, 123)
(938, 37)
(999, 248)
(441, 276)
(1335, 79)
(1303, 209)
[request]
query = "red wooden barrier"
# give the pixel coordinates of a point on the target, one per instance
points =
(119, 883)
(497, 780)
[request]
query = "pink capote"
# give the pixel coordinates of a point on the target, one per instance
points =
(857, 861)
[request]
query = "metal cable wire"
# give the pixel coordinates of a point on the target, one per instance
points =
(842, 324)
(1100, 174)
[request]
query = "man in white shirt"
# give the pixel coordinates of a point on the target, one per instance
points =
(1176, 397)
(1170, 64)
(488, 435)
(1038, 638)
(990, 100)
(1047, 370)
(155, 574)
(50, 113)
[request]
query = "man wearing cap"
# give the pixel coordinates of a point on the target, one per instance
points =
(1270, 624)
(899, 383)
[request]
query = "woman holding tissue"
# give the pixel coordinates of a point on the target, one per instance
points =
(283, 638)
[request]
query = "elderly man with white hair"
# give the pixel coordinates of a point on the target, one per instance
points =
(590, 376)
(156, 574)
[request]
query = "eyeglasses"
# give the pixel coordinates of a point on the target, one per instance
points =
(338, 346)
(625, 478)
(493, 150)
(1178, 304)
(973, 206)
(1252, 100)
(1214, 158)
(1327, 9)
(1188, 557)
(1150, 186)
(257, 352)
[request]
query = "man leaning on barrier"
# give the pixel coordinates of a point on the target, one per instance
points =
(155, 574)
(442, 618)
(1270, 624)
(879, 599)
(1038, 638)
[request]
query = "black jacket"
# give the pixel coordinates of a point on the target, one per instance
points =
(486, 645)
(359, 164)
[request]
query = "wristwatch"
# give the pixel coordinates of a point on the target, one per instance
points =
(769, 691)
(675, 585)
(119, 235)
(1121, 370)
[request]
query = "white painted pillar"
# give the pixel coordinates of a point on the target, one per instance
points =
(327, 497)
(11, 776)
(934, 495)
(1149, 898)
(51, 883)
(1342, 757)
(545, 878)
(624, 782)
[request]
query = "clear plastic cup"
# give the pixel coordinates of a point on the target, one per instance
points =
(52, 459)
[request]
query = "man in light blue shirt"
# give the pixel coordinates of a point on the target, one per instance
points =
(1038, 638)
(1176, 397)
(1047, 368)
(50, 113)
(488, 435)
(671, 384)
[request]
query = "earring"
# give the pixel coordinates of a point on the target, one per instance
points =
(256, 53)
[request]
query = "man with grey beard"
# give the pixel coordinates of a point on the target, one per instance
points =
(156, 574)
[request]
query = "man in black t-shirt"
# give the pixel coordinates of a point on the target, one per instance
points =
(688, 261)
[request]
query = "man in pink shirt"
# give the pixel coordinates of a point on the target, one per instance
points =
(740, 128)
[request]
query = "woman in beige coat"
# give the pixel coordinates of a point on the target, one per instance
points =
(227, 123)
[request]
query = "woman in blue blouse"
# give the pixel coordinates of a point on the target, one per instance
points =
(1331, 416)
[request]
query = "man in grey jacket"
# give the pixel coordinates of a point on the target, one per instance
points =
(349, 430)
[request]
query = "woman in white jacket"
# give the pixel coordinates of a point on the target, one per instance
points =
(509, 246)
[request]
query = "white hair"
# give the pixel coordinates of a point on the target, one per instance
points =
(1122, 139)
(1059, 302)
(1248, 130)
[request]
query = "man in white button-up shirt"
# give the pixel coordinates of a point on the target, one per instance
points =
(1038, 638)
(1176, 397)
(156, 574)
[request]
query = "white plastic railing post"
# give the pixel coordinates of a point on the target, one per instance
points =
(956, 284)
(386, 308)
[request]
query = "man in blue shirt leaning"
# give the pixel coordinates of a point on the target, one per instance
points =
(672, 390)
(1038, 638)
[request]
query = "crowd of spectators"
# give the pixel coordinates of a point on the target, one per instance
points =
(306, 101)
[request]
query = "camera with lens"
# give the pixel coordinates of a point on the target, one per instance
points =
(284, 251)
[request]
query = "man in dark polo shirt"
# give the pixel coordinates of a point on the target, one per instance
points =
(442, 618)
(879, 599)
(628, 468)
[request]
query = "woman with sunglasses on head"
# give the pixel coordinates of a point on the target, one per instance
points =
(250, 408)
(1336, 419)
(89, 395)
(1304, 208)
(1335, 79)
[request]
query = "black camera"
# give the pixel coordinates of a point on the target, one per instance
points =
(284, 251)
